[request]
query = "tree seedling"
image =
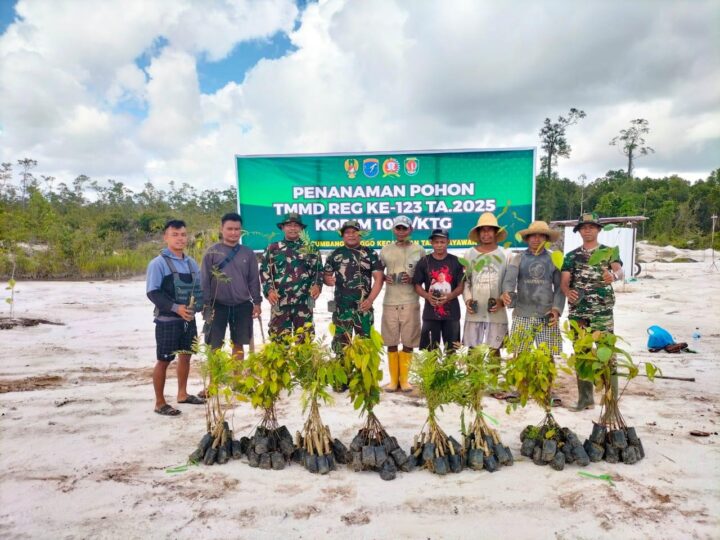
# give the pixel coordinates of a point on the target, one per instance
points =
(597, 358)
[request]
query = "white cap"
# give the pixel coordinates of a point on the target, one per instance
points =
(403, 221)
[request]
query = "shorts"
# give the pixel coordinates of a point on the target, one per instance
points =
(432, 331)
(401, 324)
(491, 334)
(173, 337)
(238, 317)
(539, 331)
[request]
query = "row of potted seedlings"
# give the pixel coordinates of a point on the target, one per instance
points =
(461, 377)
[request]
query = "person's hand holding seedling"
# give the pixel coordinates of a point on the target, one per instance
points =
(185, 313)
(314, 292)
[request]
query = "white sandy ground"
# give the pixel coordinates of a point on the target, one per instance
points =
(85, 456)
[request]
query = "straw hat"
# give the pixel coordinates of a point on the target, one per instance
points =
(487, 219)
(539, 227)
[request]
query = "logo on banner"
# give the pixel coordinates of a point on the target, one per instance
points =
(391, 167)
(411, 166)
(351, 167)
(371, 167)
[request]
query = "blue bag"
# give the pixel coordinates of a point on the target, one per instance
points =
(658, 338)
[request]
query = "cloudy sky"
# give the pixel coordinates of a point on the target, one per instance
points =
(173, 89)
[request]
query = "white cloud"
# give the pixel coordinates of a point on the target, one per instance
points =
(376, 74)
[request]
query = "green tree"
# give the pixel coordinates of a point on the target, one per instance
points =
(632, 142)
(553, 141)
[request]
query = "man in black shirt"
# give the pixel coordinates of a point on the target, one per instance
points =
(438, 279)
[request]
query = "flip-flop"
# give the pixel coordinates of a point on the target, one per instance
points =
(167, 410)
(193, 400)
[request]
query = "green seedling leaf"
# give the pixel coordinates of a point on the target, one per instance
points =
(518, 238)
(605, 477)
(557, 258)
(604, 354)
(464, 261)
(609, 227)
(550, 434)
(493, 420)
(650, 371)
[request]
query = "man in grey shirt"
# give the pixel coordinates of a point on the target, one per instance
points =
(231, 288)
(534, 279)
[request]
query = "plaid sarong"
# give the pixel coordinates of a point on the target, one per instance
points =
(536, 329)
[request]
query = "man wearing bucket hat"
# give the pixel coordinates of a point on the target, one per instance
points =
(291, 275)
(589, 291)
(486, 317)
(401, 305)
(535, 280)
(439, 280)
(357, 275)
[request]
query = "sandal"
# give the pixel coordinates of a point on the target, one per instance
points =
(167, 410)
(193, 400)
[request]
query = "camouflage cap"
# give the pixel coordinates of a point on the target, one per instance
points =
(292, 217)
(588, 218)
(350, 224)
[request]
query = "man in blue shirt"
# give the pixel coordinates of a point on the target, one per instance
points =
(173, 285)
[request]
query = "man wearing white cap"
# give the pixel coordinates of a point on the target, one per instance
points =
(401, 304)
(486, 318)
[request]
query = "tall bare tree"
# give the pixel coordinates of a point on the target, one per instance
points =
(632, 142)
(26, 177)
(554, 143)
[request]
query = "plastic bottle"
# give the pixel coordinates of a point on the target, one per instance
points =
(696, 335)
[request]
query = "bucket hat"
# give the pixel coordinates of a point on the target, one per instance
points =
(292, 217)
(350, 223)
(590, 217)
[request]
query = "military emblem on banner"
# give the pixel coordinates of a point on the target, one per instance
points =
(371, 167)
(411, 166)
(351, 167)
(391, 167)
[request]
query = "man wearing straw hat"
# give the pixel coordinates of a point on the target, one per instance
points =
(534, 278)
(486, 318)
(357, 275)
(291, 275)
(401, 304)
(589, 291)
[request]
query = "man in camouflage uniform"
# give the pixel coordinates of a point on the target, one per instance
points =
(357, 275)
(291, 274)
(589, 291)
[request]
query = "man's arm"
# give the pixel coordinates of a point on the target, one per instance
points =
(378, 280)
(509, 283)
(206, 278)
(253, 281)
(565, 278)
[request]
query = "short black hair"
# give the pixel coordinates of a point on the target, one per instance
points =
(174, 224)
(231, 216)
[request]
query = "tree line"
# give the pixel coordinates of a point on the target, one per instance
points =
(86, 228)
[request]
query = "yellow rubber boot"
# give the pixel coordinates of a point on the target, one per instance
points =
(405, 357)
(393, 366)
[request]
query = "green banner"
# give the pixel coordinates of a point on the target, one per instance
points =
(448, 189)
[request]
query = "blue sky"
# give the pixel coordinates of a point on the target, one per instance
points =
(212, 75)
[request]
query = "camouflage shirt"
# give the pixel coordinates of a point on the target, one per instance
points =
(597, 298)
(353, 270)
(291, 270)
